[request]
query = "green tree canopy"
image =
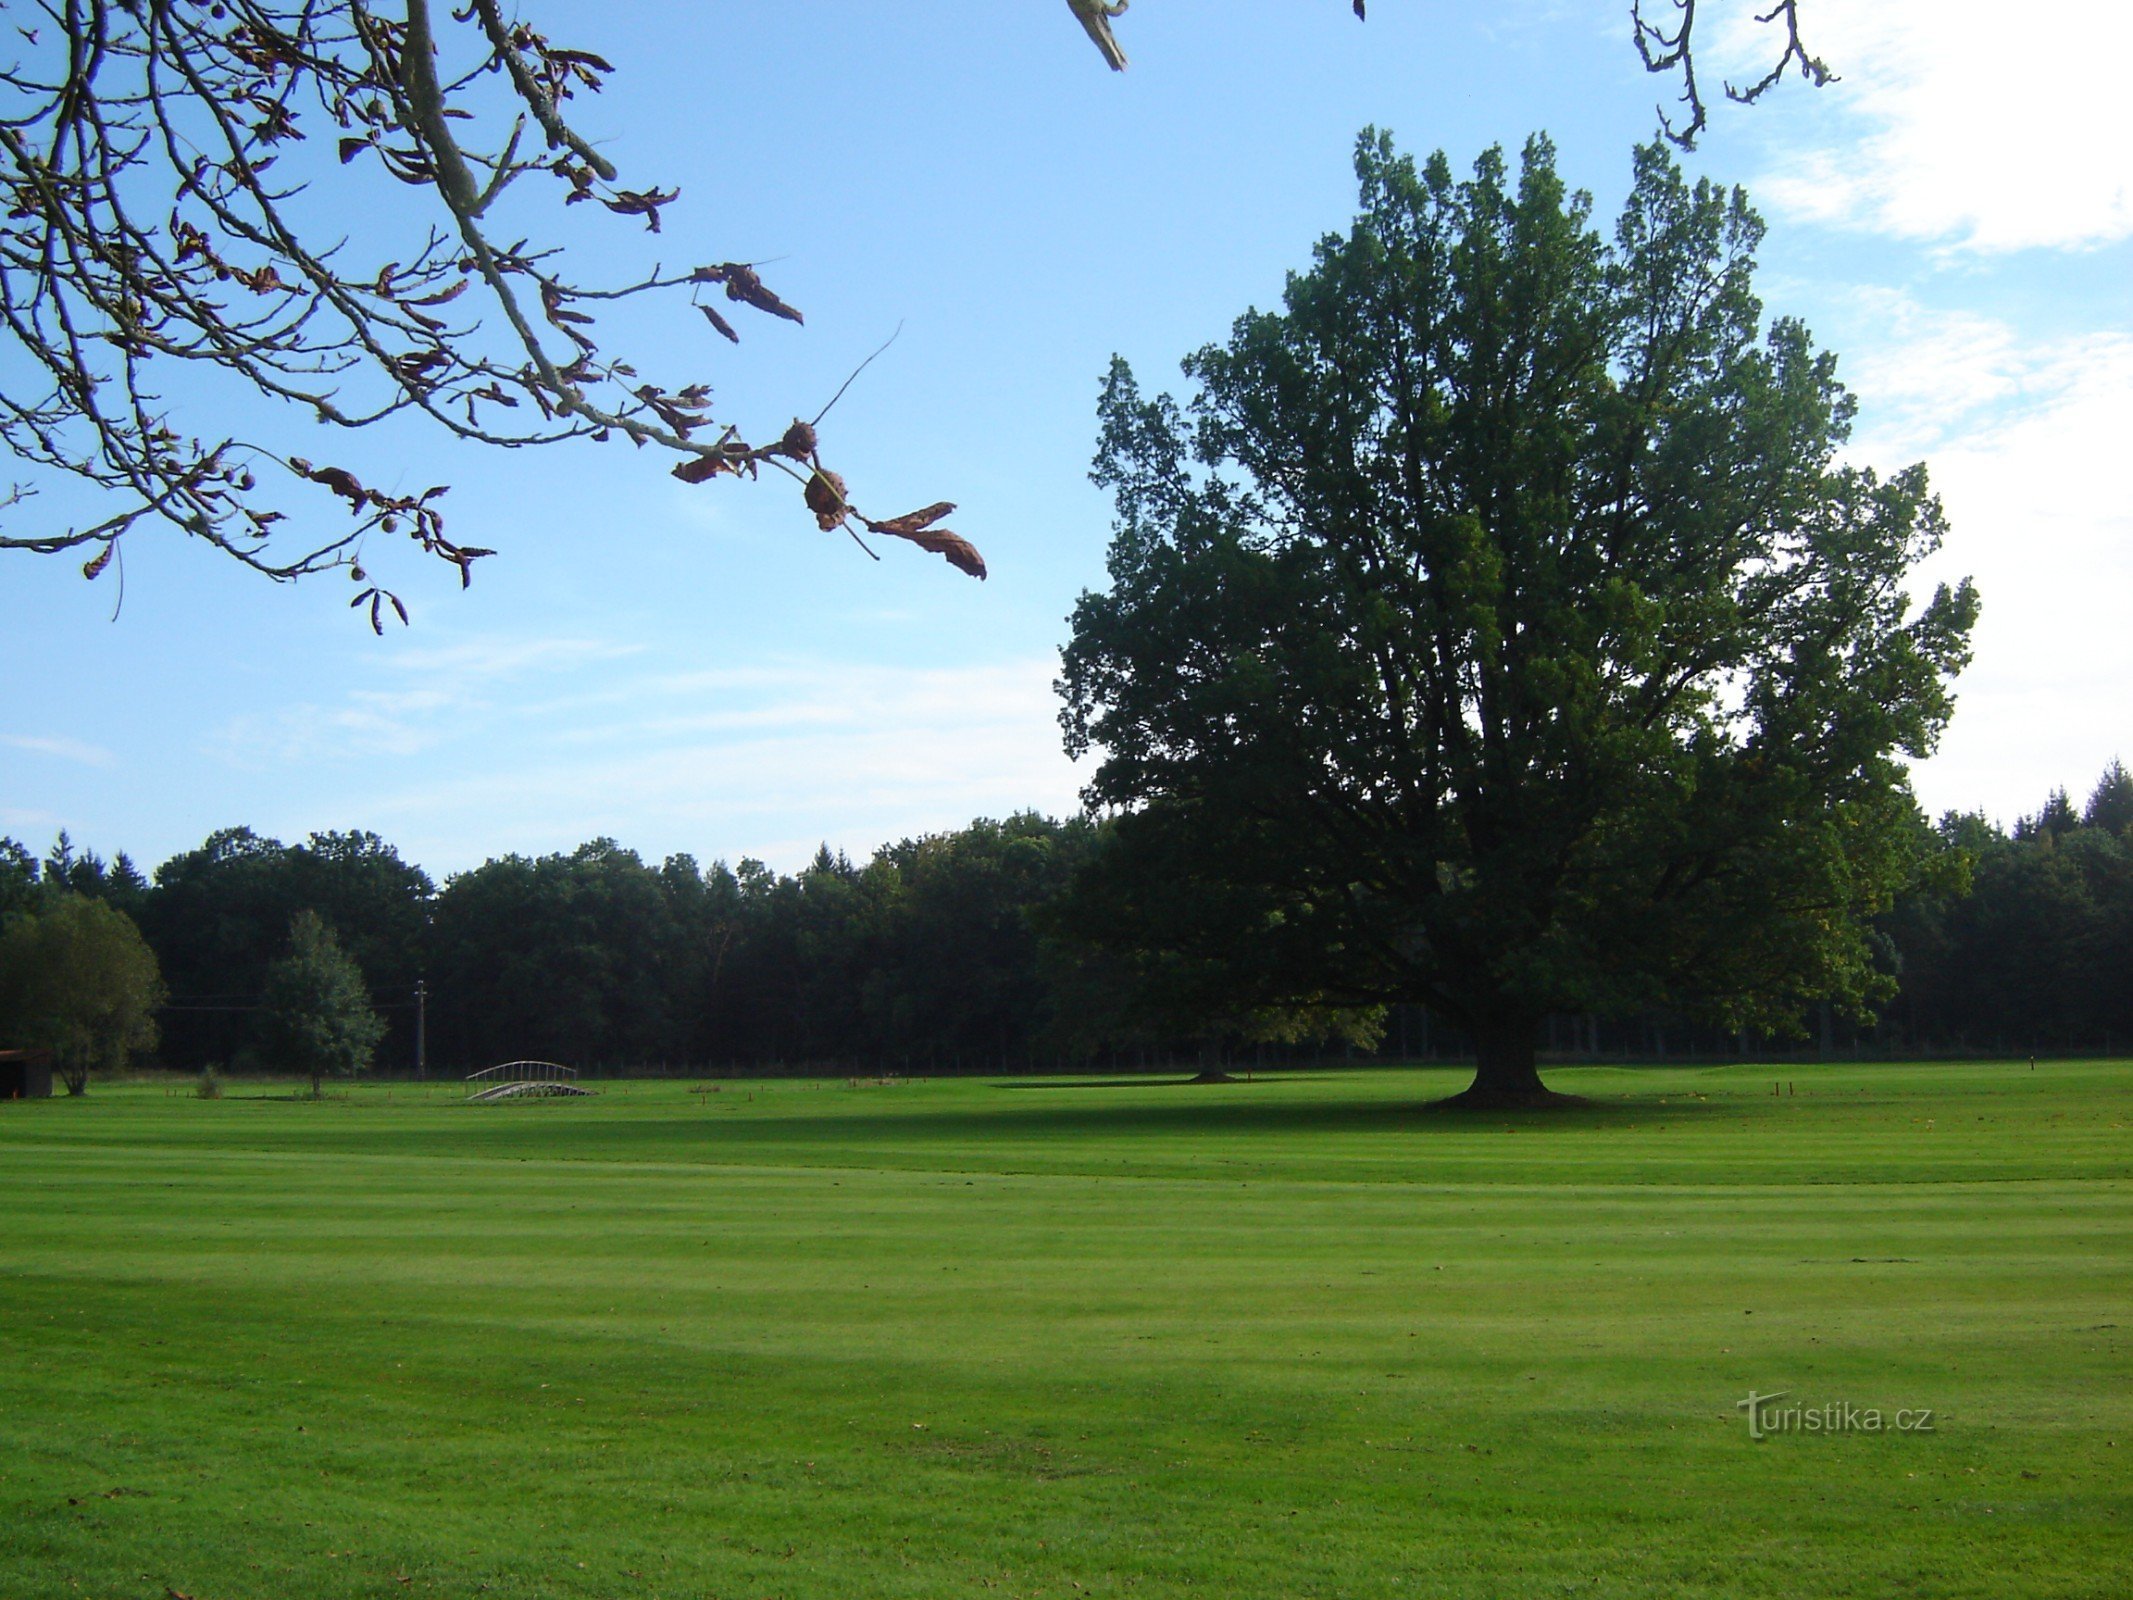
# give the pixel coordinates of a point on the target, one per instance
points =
(77, 979)
(18, 877)
(315, 1017)
(219, 918)
(2036, 952)
(2110, 804)
(1498, 630)
(575, 958)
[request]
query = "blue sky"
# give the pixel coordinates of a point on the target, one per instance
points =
(698, 669)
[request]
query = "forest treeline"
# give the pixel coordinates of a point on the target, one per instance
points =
(936, 955)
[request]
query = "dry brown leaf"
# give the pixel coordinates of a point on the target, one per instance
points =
(719, 322)
(743, 284)
(959, 551)
(912, 522)
(700, 469)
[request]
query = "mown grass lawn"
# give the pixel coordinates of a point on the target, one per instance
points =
(1289, 1338)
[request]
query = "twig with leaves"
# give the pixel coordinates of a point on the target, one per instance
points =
(169, 220)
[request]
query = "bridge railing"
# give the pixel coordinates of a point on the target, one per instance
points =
(489, 1079)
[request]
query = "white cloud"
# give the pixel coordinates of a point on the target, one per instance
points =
(431, 696)
(767, 759)
(1962, 124)
(1927, 373)
(505, 656)
(2034, 491)
(772, 760)
(89, 755)
(368, 724)
(1930, 378)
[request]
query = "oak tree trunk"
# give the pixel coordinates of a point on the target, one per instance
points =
(1212, 1069)
(1506, 1075)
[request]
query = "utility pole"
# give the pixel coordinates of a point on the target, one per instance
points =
(422, 1053)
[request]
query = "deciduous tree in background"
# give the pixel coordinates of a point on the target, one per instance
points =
(77, 979)
(960, 951)
(316, 1017)
(1498, 631)
(219, 918)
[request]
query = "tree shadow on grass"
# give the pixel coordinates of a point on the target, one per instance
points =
(1243, 1076)
(1100, 1083)
(1011, 1126)
(1145, 1083)
(1187, 1110)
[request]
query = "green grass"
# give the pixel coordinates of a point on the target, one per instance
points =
(1287, 1338)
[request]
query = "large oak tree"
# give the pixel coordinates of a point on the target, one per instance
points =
(1499, 629)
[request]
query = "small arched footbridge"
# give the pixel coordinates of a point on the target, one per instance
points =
(522, 1080)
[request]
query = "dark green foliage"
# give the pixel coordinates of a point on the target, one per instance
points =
(961, 970)
(2057, 819)
(119, 883)
(1498, 630)
(2110, 806)
(2039, 953)
(572, 958)
(924, 958)
(1165, 983)
(77, 979)
(219, 916)
(18, 877)
(962, 951)
(26, 882)
(315, 1017)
